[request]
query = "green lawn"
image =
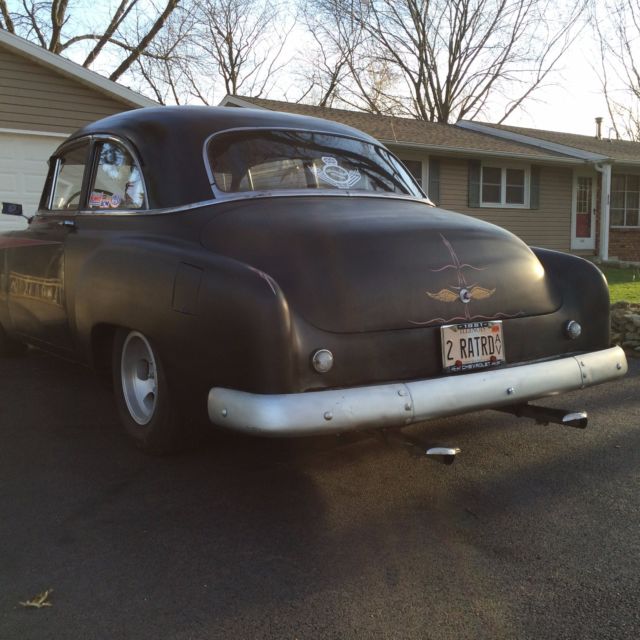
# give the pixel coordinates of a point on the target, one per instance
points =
(624, 284)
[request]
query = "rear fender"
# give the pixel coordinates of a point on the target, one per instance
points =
(585, 294)
(225, 324)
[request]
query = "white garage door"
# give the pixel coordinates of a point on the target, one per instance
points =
(23, 169)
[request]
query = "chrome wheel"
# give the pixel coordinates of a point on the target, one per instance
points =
(138, 373)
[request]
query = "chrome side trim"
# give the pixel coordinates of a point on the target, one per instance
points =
(385, 405)
(147, 212)
(254, 196)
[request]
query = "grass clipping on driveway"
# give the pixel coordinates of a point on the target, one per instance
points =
(624, 284)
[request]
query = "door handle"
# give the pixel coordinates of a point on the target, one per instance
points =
(69, 224)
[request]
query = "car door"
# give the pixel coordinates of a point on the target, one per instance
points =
(35, 258)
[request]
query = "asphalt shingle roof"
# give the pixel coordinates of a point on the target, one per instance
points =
(409, 131)
(618, 150)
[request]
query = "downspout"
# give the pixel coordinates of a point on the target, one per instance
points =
(605, 209)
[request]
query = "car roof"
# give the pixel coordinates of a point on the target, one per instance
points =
(170, 139)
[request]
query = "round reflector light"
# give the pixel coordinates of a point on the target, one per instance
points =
(322, 360)
(573, 329)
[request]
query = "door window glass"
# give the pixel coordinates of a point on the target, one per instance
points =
(118, 182)
(68, 185)
(584, 200)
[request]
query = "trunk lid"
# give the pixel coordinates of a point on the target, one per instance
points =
(356, 264)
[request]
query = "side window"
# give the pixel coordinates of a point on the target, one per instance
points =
(69, 175)
(118, 181)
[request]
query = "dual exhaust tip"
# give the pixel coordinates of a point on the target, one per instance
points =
(542, 415)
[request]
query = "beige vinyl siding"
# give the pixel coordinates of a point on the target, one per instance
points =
(549, 226)
(35, 97)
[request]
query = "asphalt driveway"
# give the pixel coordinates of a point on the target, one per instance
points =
(533, 533)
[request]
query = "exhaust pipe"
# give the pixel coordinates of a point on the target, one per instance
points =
(445, 455)
(437, 453)
(545, 415)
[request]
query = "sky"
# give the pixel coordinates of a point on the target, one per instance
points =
(574, 100)
(570, 102)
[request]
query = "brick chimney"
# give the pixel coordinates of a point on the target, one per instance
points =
(599, 128)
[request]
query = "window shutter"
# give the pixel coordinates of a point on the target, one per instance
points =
(474, 183)
(433, 190)
(534, 189)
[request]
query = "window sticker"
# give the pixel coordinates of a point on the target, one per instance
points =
(336, 175)
(101, 200)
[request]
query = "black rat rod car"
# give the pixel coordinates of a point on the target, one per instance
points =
(288, 275)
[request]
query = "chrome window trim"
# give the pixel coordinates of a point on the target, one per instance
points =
(235, 197)
(221, 194)
(52, 186)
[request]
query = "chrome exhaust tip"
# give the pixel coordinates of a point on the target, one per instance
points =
(445, 455)
(577, 419)
(546, 415)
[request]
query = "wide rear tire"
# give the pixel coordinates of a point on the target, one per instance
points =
(147, 408)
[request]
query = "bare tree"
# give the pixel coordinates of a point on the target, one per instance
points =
(442, 60)
(212, 47)
(59, 28)
(241, 42)
(166, 65)
(335, 38)
(617, 26)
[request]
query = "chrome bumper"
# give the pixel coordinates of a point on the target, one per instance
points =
(385, 405)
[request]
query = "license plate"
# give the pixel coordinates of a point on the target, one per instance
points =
(473, 345)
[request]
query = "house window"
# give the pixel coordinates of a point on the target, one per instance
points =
(625, 200)
(415, 169)
(504, 187)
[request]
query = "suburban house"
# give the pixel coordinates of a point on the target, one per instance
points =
(44, 98)
(563, 191)
(557, 190)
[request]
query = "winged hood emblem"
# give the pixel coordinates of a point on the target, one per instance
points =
(464, 291)
(465, 295)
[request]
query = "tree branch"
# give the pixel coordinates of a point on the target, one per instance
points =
(8, 22)
(137, 52)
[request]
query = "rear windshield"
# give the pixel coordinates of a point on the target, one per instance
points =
(277, 160)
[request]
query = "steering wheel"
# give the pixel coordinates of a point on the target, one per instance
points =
(73, 205)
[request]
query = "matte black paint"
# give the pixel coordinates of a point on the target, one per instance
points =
(368, 264)
(239, 294)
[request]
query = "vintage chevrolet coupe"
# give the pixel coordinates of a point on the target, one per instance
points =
(286, 275)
